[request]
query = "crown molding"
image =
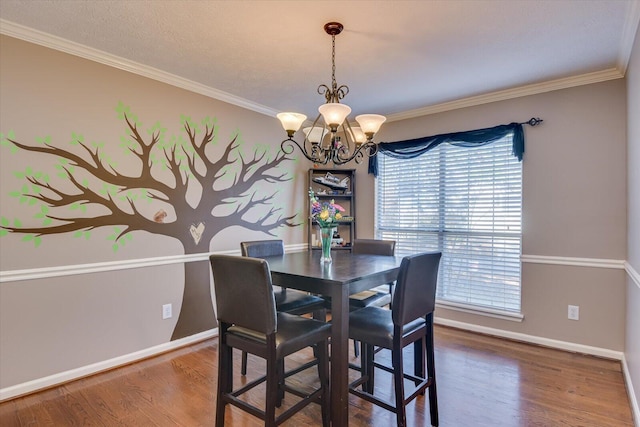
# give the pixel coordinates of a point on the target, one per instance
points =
(629, 30)
(63, 45)
(48, 40)
(532, 89)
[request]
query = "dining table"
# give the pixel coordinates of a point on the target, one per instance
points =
(345, 275)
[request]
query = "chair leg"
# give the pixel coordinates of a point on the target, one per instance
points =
(419, 360)
(364, 366)
(356, 346)
(398, 380)
(281, 379)
(323, 374)
(243, 366)
(431, 372)
(225, 379)
(368, 353)
(273, 380)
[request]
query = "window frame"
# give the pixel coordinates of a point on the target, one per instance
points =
(487, 310)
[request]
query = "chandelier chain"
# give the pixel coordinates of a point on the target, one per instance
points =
(334, 85)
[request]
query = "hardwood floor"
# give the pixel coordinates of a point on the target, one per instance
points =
(482, 381)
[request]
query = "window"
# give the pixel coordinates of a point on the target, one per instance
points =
(467, 203)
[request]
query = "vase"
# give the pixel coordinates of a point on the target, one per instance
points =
(326, 235)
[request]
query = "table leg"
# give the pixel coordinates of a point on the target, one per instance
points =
(340, 356)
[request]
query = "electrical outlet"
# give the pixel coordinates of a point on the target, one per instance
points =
(574, 312)
(166, 311)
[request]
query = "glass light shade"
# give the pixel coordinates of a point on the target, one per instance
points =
(334, 113)
(357, 135)
(315, 134)
(291, 121)
(370, 123)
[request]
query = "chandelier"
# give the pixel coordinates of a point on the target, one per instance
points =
(331, 138)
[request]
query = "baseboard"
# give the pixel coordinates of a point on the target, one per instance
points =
(635, 409)
(84, 371)
(557, 344)
(532, 339)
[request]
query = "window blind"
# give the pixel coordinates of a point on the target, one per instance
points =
(467, 203)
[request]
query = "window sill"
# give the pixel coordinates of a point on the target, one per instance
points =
(481, 311)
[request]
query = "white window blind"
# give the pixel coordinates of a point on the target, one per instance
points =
(467, 203)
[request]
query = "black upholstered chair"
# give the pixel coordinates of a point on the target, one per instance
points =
(248, 320)
(377, 297)
(287, 300)
(410, 321)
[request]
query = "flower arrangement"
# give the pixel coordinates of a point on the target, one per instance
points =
(327, 214)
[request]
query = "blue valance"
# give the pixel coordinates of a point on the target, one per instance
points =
(474, 138)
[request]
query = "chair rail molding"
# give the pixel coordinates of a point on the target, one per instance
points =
(573, 261)
(635, 276)
(101, 267)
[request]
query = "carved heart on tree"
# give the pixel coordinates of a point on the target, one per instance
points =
(196, 232)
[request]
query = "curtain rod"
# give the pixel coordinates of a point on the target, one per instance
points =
(533, 121)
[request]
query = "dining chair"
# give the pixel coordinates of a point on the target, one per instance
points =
(287, 300)
(410, 321)
(248, 320)
(377, 296)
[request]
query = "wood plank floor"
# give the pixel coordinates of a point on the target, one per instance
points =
(482, 381)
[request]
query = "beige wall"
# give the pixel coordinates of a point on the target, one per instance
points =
(574, 205)
(53, 324)
(632, 350)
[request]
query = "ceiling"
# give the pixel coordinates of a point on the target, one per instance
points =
(399, 58)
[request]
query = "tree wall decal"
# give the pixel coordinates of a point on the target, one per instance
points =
(179, 189)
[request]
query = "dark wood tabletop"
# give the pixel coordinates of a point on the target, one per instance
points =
(346, 274)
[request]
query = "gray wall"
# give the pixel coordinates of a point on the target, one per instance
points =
(49, 325)
(574, 206)
(632, 351)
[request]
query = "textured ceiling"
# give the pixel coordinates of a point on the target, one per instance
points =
(395, 56)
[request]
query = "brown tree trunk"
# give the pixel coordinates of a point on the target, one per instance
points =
(196, 312)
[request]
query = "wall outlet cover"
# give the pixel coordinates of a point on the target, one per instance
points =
(166, 311)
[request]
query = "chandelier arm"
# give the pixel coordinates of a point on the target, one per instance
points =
(317, 155)
(341, 92)
(369, 148)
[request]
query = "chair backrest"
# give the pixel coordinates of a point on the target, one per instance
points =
(415, 294)
(373, 247)
(262, 248)
(244, 295)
